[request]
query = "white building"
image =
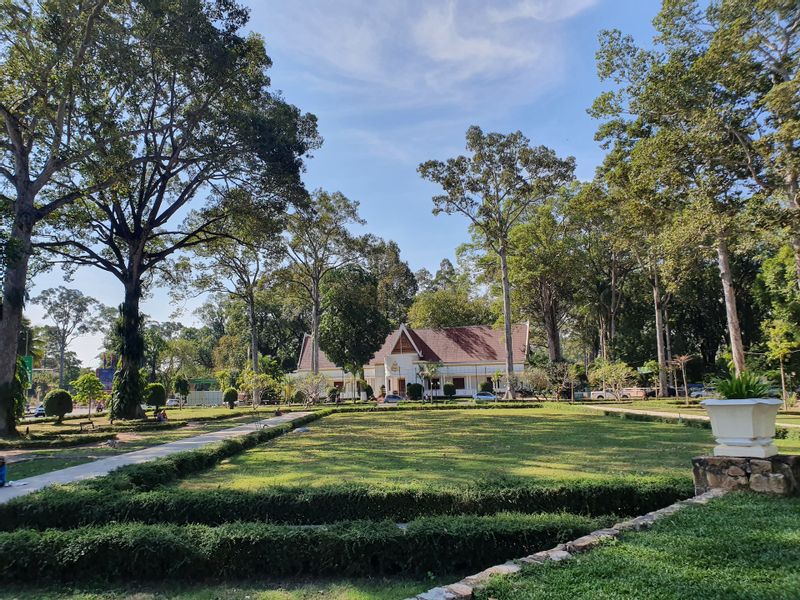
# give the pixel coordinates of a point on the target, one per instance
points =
(467, 356)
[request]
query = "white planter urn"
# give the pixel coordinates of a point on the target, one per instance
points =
(744, 427)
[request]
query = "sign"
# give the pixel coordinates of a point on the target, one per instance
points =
(28, 360)
(106, 377)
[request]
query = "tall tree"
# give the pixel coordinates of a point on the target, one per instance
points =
(396, 284)
(53, 78)
(73, 314)
(494, 187)
(353, 327)
(205, 121)
(318, 242)
(241, 262)
(450, 307)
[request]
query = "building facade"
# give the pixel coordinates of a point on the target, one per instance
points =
(465, 357)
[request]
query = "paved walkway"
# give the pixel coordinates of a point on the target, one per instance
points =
(668, 415)
(104, 466)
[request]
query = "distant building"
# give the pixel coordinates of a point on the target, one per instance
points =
(468, 356)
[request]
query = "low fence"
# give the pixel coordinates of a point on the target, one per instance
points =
(206, 398)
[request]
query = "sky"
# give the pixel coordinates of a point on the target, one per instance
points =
(396, 83)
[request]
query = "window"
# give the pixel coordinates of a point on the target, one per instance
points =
(435, 383)
(338, 384)
(459, 383)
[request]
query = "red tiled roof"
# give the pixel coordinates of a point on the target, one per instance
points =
(480, 343)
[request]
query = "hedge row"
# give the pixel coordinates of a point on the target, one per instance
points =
(49, 441)
(68, 417)
(139, 552)
(65, 508)
(781, 433)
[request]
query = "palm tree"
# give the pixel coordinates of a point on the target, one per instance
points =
(426, 372)
(680, 362)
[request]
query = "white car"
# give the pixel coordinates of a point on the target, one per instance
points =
(392, 399)
(484, 397)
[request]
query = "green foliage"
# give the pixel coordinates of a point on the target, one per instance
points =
(19, 389)
(88, 388)
(331, 504)
(58, 403)
(449, 390)
(441, 544)
(155, 395)
(746, 385)
(369, 391)
(450, 307)
(486, 386)
(230, 396)
(127, 388)
(414, 391)
(614, 375)
(181, 385)
(334, 393)
(353, 327)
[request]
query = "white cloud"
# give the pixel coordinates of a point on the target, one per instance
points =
(548, 11)
(411, 54)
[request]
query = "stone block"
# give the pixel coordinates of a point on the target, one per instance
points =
(458, 591)
(736, 471)
(760, 467)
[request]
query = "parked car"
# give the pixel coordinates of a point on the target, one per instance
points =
(392, 399)
(39, 412)
(484, 397)
(173, 402)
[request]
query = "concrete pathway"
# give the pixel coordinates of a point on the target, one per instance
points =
(669, 415)
(104, 466)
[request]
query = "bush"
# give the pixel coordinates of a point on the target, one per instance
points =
(155, 395)
(449, 390)
(57, 403)
(313, 506)
(486, 386)
(334, 393)
(230, 396)
(414, 391)
(136, 552)
(299, 397)
(369, 392)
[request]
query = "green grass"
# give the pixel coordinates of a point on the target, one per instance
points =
(675, 405)
(553, 443)
(44, 464)
(741, 547)
(378, 589)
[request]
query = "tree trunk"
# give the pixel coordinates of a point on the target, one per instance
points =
(671, 374)
(662, 360)
(315, 307)
(783, 385)
(62, 352)
(553, 334)
(251, 314)
(510, 393)
(734, 329)
(19, 250)
(126, 401)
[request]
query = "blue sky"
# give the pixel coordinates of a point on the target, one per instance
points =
(396, 83)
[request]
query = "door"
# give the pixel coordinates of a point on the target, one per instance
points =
(401, 385)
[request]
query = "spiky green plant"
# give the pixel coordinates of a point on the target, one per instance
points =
(745, 385)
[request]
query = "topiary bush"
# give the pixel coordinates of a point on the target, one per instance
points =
(230, 396)
(58, 403)
(155, 395)
(369, 392)
(486, 386)
(449, 390)
(414, 391)
(299, 397)
(334, 394)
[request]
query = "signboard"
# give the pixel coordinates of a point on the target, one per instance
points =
(28, 360)
(106, 377)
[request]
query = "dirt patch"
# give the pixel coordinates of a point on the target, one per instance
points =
(128, 437)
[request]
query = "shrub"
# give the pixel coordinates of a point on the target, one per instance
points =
(449, 390)
(487, 386)
(368, 390)
(155, 395)
(136, 552)
(299, 397)
(230, 396)
(334, 393)
(84, 505)
(414, 391)
(745, 385)
(57, 403)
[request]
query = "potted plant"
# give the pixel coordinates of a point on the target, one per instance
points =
(743, 420)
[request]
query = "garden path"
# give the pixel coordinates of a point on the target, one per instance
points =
(104, 466)
(669, 415)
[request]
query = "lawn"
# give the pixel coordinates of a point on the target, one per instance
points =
(554, 443)
(378, 589)
(35, 462)
(790, 417)
(740, 547)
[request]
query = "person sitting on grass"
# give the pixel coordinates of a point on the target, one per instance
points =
(162, 416)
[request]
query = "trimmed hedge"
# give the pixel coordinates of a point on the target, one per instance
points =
(138, 552)
(56, 441)
(76, 506)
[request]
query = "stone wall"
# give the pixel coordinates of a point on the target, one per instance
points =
(778, 474)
